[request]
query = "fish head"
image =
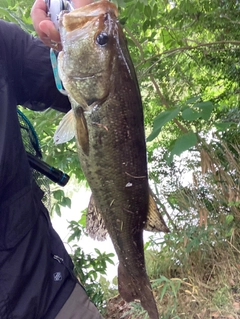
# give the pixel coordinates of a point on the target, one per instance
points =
(85, 63)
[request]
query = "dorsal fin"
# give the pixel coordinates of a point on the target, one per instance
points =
(155, 221)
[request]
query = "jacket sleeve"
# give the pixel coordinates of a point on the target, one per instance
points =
(30, 70)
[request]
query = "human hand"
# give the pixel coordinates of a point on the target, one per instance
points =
(45, 27)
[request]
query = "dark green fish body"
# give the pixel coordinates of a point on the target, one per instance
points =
(116, 170)
(97, 72)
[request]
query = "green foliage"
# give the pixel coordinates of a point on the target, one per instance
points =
(59, 199)
(136, 311)
(191, 110)
(17, 12)
(172, 286)
(222, 297)
(161, 120)
(88, 269)
(183, 143)
(108, 288)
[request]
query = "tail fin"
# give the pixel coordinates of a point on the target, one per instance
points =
(137, 289)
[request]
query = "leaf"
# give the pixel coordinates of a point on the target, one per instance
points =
(109, 261)
(123, 21)
(192, 100)
(145, 26)
(146, 245)
(175, 287)
(97, 251)
(182, 144)
(229, 219)
(58, 194)
(205, 108)
(190, 114)
(66, 202)
(71, 238)
(222, 126)
(7, 13)
(155, 11)
(120, 3)
(163, 291)
(161, 120)
(153, 24)
(166, 38)
(83, 218)
(148, 12)
(57, 210)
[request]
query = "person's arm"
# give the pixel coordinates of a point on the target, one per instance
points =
(43, 24)
(27, 66)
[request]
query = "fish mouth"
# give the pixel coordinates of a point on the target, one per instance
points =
(83, 76)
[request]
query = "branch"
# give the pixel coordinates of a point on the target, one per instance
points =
(183, 27)
(162, 206)
(226, 17)
(164, 102)
(162, 98)
(135, 42)
(186, 48)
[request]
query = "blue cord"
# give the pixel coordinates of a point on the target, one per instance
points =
(32, 130)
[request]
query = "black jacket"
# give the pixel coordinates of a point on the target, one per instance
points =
(34, 283)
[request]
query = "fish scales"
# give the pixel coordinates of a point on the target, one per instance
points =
(107, 121)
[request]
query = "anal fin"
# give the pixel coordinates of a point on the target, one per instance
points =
(95, 225)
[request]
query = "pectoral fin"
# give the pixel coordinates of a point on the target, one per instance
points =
(155, 221)
(66, 129)
(82, 130)
(95, 225)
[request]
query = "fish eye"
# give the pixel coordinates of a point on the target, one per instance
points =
(102, 38)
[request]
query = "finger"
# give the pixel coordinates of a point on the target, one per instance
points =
(52, 44)
(55, 45)
(38, 14)
(47, 27)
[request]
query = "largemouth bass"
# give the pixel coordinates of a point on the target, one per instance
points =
(107, 121)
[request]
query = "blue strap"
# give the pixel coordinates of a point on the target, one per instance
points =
(55, 72)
